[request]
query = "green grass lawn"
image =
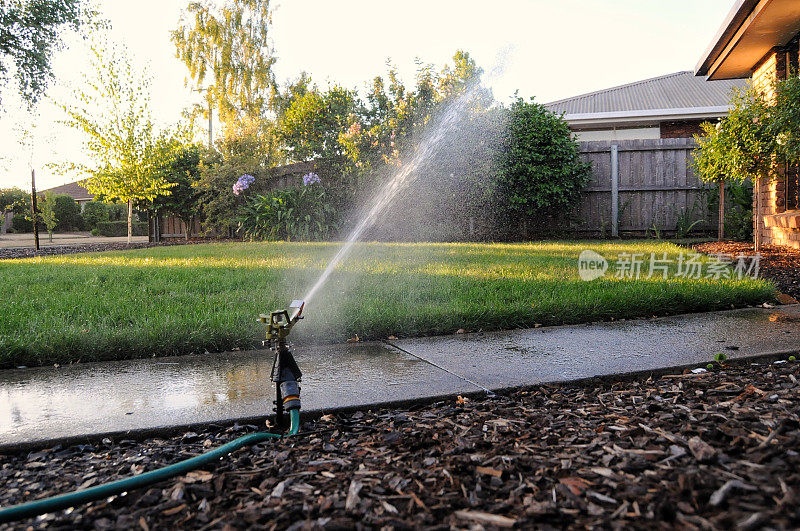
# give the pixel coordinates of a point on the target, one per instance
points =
(182, 299)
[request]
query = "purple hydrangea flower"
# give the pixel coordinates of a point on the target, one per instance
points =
(310, 178)
(243, 184)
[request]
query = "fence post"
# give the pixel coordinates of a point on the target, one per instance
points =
(614, 191)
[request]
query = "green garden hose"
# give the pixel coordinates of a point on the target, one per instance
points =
(64, 501)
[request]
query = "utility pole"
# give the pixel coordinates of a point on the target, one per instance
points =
(34, 210)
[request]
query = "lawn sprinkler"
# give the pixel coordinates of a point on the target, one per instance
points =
(285, 372)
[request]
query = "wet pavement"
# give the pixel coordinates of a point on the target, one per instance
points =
(91, 398)
(561, 353)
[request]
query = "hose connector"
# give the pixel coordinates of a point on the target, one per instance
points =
(290, 391)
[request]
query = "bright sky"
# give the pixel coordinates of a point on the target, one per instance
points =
(558, 49)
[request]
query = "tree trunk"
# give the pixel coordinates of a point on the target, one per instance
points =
(188, 228)
(130, 219)
(721, 226)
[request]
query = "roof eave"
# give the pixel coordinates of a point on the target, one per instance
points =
(733, 21)
(644, 116)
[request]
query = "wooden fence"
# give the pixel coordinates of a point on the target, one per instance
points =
(639, 185)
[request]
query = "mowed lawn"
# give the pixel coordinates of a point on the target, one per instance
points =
(194, 298)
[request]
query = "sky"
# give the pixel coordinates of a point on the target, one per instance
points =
(548, 49)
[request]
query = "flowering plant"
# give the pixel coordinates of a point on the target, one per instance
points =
(243, 184)
(310, 178)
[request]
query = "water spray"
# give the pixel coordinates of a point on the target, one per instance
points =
(286, 375)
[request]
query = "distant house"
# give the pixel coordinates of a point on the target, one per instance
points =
(75, 190)
(670, 106)
(760, 39)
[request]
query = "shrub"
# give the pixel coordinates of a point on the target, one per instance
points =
(120, 228)
(20, 223)
(95, 212)
(300, 213)
(540, 174)
(67, 213)
(220, 168)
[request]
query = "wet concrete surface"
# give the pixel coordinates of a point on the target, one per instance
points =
(92, 398)
(521, 357)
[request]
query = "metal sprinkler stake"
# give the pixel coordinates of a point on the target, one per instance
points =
(285, 372)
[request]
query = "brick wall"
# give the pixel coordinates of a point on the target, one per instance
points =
(772, 220)
(681, 129)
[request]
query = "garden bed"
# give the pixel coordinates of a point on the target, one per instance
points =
(780, 265)
(172, 300)
(711, 450)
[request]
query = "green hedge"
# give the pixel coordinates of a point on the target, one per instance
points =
(120, 228)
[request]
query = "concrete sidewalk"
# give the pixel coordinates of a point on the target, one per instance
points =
(85, 399)
(60, 239)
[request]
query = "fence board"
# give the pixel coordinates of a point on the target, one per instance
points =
(657, 184)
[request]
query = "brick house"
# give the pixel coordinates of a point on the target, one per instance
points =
(670, 106)
(75, 190)
(759, 40)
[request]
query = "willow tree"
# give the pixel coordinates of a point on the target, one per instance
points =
(227, 51)
(113, 113)
(30, 31)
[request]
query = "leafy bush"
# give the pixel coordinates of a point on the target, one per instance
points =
(219, 170)
(21, 223)
(300, 213)
(67, 213)
(120, 228)
(95, 212)
(540, 173)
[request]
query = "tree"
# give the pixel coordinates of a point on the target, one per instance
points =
(786, 120)
(114, 116)
(540, 174)
(30, 31)
(229, 48)
(738, 147)
(47, 213)
(11, 197)
(183, 172)
(311, 125)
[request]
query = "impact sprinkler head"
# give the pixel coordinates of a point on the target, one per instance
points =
(280, 323)
(285, 372)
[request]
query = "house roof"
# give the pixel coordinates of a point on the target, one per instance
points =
(751, 29)
(74, 190)
(681, 90)
(677, 96)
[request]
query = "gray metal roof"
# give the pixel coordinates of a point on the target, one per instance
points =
(681, 90)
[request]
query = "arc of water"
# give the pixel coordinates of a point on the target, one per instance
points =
(405, 175)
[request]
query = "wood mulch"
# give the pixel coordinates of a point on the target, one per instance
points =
(715, 450)
(781, 265)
